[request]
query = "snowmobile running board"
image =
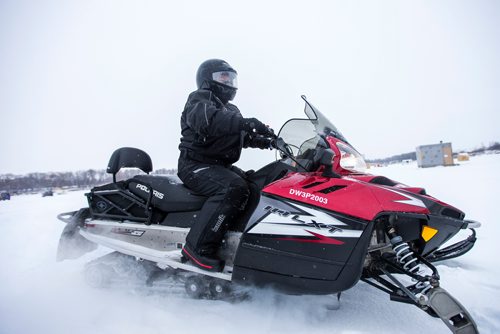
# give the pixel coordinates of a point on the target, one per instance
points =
(163, 259)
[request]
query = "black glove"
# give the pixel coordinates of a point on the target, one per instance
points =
(252, 125)
(261, 142)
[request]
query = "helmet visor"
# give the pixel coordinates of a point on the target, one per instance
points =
(226, 78)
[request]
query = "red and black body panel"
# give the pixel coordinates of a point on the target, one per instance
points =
(310, 234)
(312, 228)
(301, 248)
(347, 195)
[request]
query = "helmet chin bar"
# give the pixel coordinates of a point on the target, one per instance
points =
(223, 92)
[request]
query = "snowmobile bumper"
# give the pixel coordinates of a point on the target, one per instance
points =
(436, 231)
(450, 226)
(455, 250)
(71, 244)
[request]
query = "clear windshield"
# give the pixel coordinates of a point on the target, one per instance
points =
(321, 124)
(304, 136)
(300, 135)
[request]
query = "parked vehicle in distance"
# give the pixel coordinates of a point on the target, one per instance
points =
(48, 193)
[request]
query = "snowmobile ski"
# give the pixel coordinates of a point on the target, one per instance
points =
(448, 309)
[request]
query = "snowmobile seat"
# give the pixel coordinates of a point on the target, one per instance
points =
(169, 193)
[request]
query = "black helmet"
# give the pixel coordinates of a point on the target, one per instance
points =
(219, 77)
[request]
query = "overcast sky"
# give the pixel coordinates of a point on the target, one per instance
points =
(79, 79)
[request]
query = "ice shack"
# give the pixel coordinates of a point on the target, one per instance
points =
(435, 155)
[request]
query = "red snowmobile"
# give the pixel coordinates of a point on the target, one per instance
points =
(318, 226)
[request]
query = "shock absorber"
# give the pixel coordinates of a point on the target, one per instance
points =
(404, 255)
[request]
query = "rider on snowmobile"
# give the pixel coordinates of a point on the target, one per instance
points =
(213, 135)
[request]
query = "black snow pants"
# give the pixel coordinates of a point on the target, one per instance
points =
(228, 195)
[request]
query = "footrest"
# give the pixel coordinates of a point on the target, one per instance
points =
(175, 259)
(453, 314)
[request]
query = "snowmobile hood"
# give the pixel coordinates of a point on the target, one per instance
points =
(415, 196)
(361, 196)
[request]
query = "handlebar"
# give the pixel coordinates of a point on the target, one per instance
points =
(285, 149)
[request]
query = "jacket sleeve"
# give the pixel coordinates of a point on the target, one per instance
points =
(208, 118)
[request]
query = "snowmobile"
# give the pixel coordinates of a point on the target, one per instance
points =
(318, 225)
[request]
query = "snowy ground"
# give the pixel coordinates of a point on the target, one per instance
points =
(38, 295)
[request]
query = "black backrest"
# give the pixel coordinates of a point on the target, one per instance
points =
(129, 157)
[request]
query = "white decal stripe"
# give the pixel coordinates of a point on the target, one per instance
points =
(410, 201)
(319, 216)
(277, 219)
(279, 229)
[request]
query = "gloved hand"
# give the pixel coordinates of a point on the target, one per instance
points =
(262, 142)
(252, 125)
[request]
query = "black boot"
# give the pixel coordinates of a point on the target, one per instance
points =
(206, 262)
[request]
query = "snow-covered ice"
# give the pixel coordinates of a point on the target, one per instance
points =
(39, 295)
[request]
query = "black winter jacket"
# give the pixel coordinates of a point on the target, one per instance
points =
(211, 131)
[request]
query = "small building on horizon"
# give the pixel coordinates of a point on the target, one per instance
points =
(435, 155)
(463, 156)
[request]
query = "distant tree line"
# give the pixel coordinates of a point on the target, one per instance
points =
(395, 158)
(33, 182)
(495, 146)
